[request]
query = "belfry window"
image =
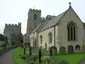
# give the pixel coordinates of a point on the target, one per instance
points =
(71, 29)
(50, 37)
(35, 16)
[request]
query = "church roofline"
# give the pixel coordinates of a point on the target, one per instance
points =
(58, 18)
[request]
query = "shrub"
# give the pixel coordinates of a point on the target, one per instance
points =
(32, 59)
(45, 52)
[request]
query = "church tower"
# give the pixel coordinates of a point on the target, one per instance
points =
(34, 19)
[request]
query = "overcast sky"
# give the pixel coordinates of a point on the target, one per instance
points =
(14, 11)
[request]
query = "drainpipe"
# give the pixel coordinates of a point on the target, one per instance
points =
(54, 36)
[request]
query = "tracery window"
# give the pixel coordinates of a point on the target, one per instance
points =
(71, 28)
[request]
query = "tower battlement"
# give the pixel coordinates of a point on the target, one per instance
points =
(12, 25)
(34, 10)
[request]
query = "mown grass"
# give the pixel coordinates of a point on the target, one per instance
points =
(71, 58)
(16, 56)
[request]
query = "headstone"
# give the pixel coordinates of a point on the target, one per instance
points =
(62, 50)
(53, 50)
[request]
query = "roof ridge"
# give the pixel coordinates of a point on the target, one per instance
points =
(58, 17)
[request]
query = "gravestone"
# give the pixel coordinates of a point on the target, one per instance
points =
(62, 50)
(53, 51)
(83, 48)
(70, 49)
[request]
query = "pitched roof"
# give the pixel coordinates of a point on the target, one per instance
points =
(40, 26)
(57, 19)
(36, 28)
(53, 22)
(43, 24)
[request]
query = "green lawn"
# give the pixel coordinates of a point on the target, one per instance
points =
(16, 56)
(71, 58)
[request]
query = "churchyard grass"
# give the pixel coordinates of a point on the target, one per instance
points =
(71, 58)
(16, 56)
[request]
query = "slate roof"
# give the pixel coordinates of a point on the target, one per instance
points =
(43, 24)
(40, 26)
(53, 22)
(36, 28)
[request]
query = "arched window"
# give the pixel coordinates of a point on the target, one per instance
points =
(35, 16)
(71, 28)
(50, 37)
(41, 39)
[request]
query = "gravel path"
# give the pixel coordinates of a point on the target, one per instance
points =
(6, 58)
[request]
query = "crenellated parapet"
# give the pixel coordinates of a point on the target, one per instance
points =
(34, 10)
(13, 25)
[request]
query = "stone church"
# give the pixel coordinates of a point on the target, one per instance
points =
(66, 31)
